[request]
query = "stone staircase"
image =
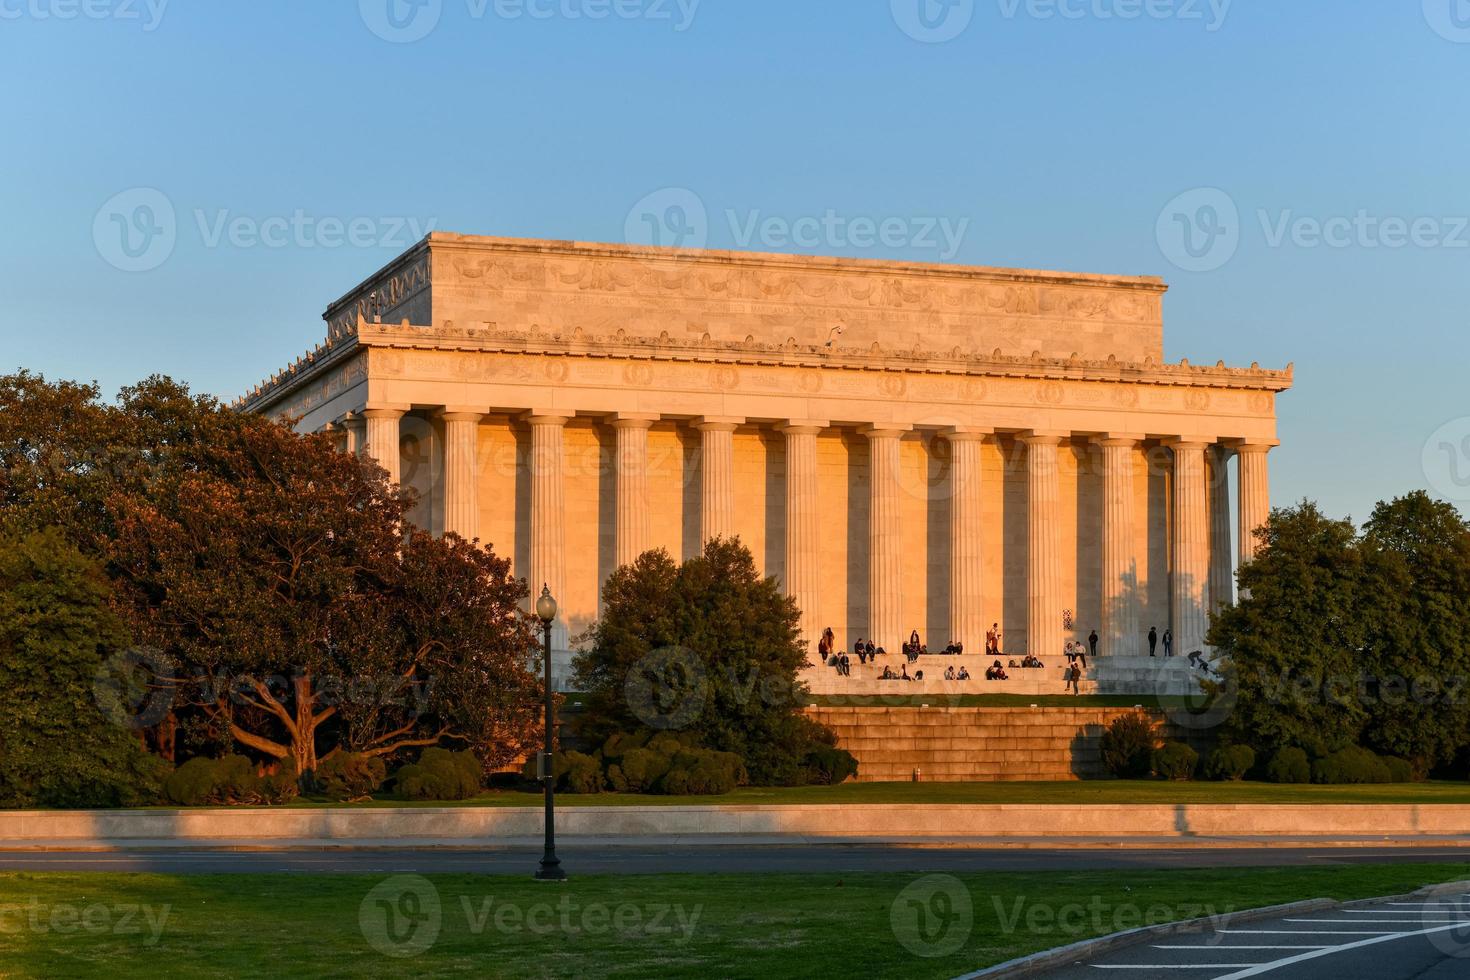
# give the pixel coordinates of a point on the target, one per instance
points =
(978, 744)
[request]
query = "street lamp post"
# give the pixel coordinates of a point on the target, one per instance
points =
(550, 869)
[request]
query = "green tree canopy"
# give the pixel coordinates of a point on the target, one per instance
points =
(708, 648)
(57, 746)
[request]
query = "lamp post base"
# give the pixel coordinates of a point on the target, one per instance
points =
(550, 870)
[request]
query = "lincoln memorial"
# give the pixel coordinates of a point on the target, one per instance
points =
(904, 447)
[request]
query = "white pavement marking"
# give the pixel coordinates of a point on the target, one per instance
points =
(1436, 917)
(1171, 966)
(1311, 932)
(1240, 947)
(1256, 970)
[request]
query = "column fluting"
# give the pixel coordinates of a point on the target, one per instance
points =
(548, 516)
(461, 474)
(803, 545)
(1255, 495)
(885, 539)
(1190, 557)
(1120, 587)
(717, 478)
(383, 439)
(631, 535)
(967, 553)
(1222, 559)
(1043, 551)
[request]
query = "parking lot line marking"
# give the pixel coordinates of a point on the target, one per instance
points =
(1203, 948)
(1256, 970)
(1312, 932)
(1386, 922)
(1171, 966)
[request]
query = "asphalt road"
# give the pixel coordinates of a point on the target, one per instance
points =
(1403, 940)
(765, 858)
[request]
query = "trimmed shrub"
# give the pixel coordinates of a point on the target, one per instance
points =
(281, 786)
(1230, 763)
(1352, 765)
(828, 766)
(670, 764)
(191, 784)
(350, 775)
(440, 775)
(1175, 760)
(1127, 746)
(1399, 770)
(226, 781)
(1289, 765)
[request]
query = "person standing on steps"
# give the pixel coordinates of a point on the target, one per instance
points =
(1153, 640)
(1168, 643)
(1091, 646)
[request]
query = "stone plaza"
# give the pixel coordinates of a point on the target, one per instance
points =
(905, 447)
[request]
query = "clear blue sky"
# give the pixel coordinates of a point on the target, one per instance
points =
(1056, 134)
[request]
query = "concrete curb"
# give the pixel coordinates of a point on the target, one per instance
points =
(1027, 966)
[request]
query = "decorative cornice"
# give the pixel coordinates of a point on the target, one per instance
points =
(623, 346)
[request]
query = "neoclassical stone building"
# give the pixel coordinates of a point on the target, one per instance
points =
(903, 446)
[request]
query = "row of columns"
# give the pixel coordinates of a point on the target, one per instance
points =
(1202, 573)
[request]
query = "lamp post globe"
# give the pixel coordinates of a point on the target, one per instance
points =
(550, 869)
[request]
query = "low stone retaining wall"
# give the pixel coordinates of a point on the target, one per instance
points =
(944, 744)
(486, 825)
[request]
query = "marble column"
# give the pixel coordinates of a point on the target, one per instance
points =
(966, 542)
(631, 463)
(383, 438)
(717, 477)
(461, 473)
(1120, 586)
(1255, 494)
(885, 538)
(803, 536)
(1190, 555)
(1044, 637)
(356, 428)
(1222, 558)
(548, 515)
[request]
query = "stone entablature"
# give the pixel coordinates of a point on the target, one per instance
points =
(463, 280)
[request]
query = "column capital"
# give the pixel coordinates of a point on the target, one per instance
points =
(1043, 437)
(393, 412)
(1252, 445)
(1188, 443)
(456, 413)
(550, 417)
(968, 433)
(1120, 440)
(803, 427)
(884, 430)
(719, 423)
(627, 420)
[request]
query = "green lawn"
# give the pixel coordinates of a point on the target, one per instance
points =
(1089, 791)
(771, 926)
